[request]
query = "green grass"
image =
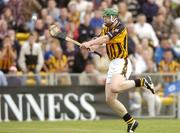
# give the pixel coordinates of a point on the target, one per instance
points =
(102, 126)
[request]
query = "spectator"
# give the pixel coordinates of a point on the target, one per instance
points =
(80, 60)
(90, 75)
(103, 5)
(133, 39)
(82, 5)
(89, 10)
(138, 63)
(159, 51)
(44, 14)
(45, 41)
(40, 26)
(154, 102)
(3, 80)
(35, 36)
(16, 8)
(134, 8)
(29, 7)
(86, 32)
(49, 65)
(175, 43)
(55, 60)
(70, 52)
(3, 29)
(109, 3)
(159, 25)
(74, 14)
(103, 63)
(15, 43)
(8, 17)
(147, 52)
(74, 19)
(168, 64)
(168, 5)
(146, 29)
(7, 55)
(61, 66)
(49, 21)
(150, 9)
(31, 56)
(52, 9)
(124, 15)
(169, 18)
(63, 19)
(97, 20)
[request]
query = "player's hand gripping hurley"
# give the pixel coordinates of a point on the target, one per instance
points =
(56, 33)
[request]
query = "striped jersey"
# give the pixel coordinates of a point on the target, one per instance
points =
(117, 47)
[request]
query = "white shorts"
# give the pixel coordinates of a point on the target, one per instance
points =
(119, 66)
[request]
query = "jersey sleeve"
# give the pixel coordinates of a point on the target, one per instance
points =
(116, 31)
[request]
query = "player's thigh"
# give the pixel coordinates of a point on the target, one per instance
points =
(109, 94)
(117, 79)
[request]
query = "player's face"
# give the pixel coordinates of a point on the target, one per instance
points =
(107, 21)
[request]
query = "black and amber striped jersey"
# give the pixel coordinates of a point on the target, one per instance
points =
(172, 67)
(53, 64)
(6, 63)
(117, 46)
(164, 67)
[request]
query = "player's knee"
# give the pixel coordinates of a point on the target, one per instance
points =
(116, 88)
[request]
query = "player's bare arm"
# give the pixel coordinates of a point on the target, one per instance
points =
(98, 41)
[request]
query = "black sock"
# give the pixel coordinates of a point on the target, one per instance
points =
(139, 82)
(128, 119)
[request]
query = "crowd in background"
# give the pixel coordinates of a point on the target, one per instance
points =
(27, 48)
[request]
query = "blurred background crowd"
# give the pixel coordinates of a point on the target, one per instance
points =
(26, 48)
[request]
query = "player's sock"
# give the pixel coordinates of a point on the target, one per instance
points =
(128, 119)
(139, 82)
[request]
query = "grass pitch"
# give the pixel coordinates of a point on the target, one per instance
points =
(101, 126)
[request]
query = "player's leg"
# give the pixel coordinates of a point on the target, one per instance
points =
(131, 122)
(111, 99)
(124, 72)
(115, 78)
(141, 82)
